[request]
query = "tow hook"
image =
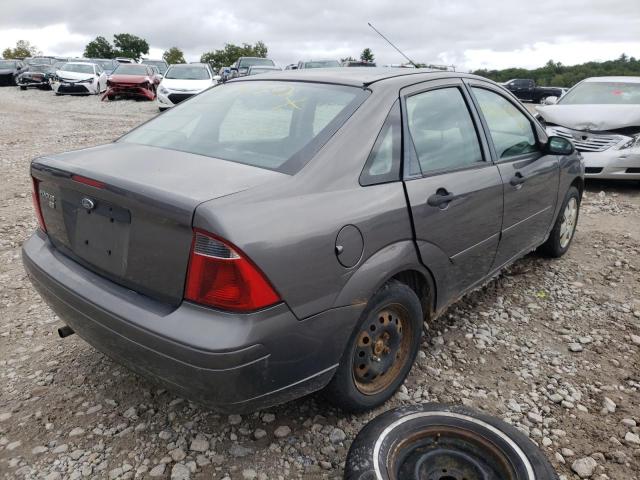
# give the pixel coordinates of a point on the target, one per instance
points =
(65, 331)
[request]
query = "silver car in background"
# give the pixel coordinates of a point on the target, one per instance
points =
(601, 115)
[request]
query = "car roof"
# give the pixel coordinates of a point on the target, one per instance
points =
(358, 77)
(80, 63)
(613, 79)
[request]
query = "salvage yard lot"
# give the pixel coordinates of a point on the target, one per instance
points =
(552, 346)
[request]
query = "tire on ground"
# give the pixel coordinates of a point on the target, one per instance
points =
(387, 436)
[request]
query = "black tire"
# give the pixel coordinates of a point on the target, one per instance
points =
(111, 97)
(447, 442)
(22, 87)
(554, 246)
(393, 319)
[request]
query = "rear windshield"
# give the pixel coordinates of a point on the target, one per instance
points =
(187, 73)
(77, 68)
(613, 93)
(274, 125)
(322, 64)
(130, 69)
(250, 62)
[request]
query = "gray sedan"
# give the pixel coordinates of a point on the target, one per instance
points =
(290, 232)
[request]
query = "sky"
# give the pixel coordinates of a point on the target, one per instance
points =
(469, 34)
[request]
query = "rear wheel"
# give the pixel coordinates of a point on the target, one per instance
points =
(563, 230)
(441, 442)
(22, 87)
(380, 352)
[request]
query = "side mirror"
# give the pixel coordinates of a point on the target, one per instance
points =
(559, 146)
(217, 78)
(550, 100)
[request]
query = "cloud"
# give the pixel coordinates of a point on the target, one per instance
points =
(468, 33)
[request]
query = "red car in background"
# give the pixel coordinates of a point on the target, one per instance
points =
(132, 80)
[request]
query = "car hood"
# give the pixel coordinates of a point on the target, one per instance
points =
(74, 75)
(129, 78)
(186, 85)
(592, 118)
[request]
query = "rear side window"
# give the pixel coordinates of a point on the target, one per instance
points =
(383, 164)
(510, 129)
(267, 124)
(442, 130)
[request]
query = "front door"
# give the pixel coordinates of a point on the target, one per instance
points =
(530, 177)
(454, 190)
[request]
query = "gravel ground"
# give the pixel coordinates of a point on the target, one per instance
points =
(549, 346)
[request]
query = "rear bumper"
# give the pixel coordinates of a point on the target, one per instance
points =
(231, 362)
(613, 164)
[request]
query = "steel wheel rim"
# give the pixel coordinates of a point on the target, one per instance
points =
(568, 224)
(382, 349)
(449, 453)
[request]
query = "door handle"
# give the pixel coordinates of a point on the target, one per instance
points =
(441, 198)
(517, 180)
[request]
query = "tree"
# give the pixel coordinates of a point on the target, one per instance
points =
(347, 59)
(130, 46)
(23, 49)
(173, 55)
(231, 52)
(367, 55)
(99, 48)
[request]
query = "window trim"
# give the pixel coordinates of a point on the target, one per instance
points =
(537, 130)
(409, 153)
(392, 120)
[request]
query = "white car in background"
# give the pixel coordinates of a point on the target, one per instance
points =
(79, 78)
(182, 81)
(601, 116)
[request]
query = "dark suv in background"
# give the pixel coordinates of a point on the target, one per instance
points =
(526, 89)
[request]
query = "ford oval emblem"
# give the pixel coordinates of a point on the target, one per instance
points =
(87, 203)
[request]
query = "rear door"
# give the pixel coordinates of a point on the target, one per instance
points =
(454, 190)
(530, 176)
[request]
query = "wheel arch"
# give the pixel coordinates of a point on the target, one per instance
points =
(398, 261)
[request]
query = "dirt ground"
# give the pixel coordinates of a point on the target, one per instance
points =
(551, 346)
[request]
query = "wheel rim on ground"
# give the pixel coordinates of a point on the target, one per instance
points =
(568, 224)
(382, 350)
(447, 452)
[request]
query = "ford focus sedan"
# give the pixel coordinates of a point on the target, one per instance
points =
(290, 232)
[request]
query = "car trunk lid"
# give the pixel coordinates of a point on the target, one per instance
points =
(125, 211)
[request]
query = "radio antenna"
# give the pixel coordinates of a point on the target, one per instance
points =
(389, 42)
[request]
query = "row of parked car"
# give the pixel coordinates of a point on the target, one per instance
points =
(150, 79)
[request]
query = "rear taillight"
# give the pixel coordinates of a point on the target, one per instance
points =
(221, 276)
(35, 197)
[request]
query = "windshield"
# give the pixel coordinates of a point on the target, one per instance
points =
(40, 61)
(609, 93)
(250, 62)
(322, 64)
(6, 64)
(106, 64)
(40, 68)
(77, 68)
(195, 72)
(130, 69)
(273, 125)
(162, 67)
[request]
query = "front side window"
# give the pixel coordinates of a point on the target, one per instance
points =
(273, 125)
(511, 131)
(442, 131)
